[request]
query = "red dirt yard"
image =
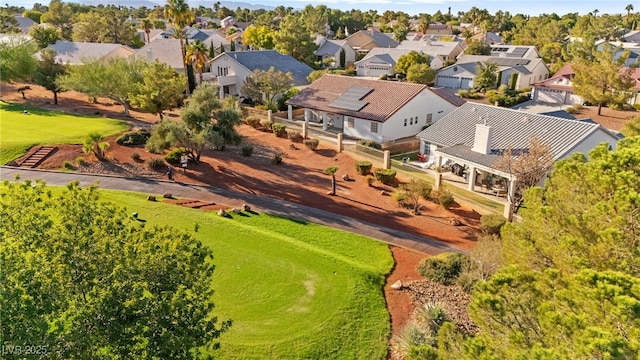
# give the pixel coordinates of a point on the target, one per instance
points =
(299, 179)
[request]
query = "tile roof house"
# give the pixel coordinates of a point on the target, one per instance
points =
(230, 68)
(379, 61)
(24, 23)
(164, 50)
(371, 109)
(440, 51)
(77, 53)
(461, 75)
(365, 40)
(475, 135)
(439, 29)
(332, 49)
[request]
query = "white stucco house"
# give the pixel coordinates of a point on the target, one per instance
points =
(333, 50)
(440, 52)
(474, 136)
(231, 68)
(372, 109)
(557, 89)
(77, 53)
(379, 61)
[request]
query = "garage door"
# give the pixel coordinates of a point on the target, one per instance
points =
(447, 81)
(552, 96)
(466, 83)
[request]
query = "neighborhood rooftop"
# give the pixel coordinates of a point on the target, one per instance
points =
(263, 60)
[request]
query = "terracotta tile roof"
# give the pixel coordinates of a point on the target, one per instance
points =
(383, 101)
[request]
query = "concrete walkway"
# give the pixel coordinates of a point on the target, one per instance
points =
(158, 187)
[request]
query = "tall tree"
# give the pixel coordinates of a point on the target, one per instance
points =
(119, 29)
(604, 79)
(146, 25)
(411, 58)
(48, 72)
(421, 74)
(486, 75)
(90, 27)
(629, 9)
(44, 35)
(197, 55)
(631, 127)
(161, 89)
(179, 15)
(82, 277)
(8, 22)
(60, 16)
(332, 171)
(477, 47)
(293, 38)
(116, 79)
(16, 60)
(265, 86)
(258, 37)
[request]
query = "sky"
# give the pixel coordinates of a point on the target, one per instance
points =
(413, 7)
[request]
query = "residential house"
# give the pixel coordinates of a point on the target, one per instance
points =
(365, 40)
(78, 53)
(489, 38)
(462, 74)
(24, 23)
(379, 61)
(226, 22)
(441, 52)
(371, 109)
(230, 69)
(166, 51)
(440, 29)
(332, 50)
(632, 47)
(471, 138)
(632, 36)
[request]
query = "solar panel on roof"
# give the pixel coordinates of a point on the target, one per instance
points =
(350, 99)
(518, 52)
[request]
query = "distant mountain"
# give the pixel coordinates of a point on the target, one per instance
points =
(233, 5)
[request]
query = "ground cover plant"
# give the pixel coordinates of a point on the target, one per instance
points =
(292, 289)
(37, 126)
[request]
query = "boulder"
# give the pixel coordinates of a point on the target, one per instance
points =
(235, 210)
(151, 198)
(397, 285)
(455, 222)
(168, 196)
(222, 213)
(246, 207)
(345, 177)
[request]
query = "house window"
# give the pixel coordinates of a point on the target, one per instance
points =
(405, 122)
(427, 148)
(429, 119)
(350, 123)
(374, 127)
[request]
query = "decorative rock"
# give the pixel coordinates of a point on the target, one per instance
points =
(222, 213)
(397, 285)
(455, 222)
(134, 215)
(236, 210)
(246, 207)
(151, 198)
(168, 196)
(383, 193)
(345, 177)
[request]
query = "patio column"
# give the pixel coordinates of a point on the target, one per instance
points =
(306, 116)
(386, 160)
(270, 115)
(221, 92)
(438, 176)
(509, 207)
(471, 177)
(325, 122)
(289, 112)
(339, 143)
(422, 147)
(304, 130)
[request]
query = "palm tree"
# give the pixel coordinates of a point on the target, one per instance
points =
(147, 25)
(595, 13)
(629, 9)
(179, 15)
(332, 171)
(197, 55)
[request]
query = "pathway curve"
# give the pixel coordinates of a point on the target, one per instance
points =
(233, 198)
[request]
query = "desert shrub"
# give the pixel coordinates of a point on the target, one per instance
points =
(350, 71)
(295, 136)
(430, 316)
(485, 260)
(252, 121)
(156, 145)
(247, 150)
(370, 180)
(443, 268)
(636, 106)
(443, 197)
(80, 161)
(267, 124)
(173, 157)
(311, 143)
(468, 94)
(370, 143)
(491, 224)
(67, 165)
(385, 176)
(400, 197)
(134, 138)
(276, 158)
(279, 130)
(155, 164)
(410, 337)
(363, 167)
(505, 97)
(135, 156)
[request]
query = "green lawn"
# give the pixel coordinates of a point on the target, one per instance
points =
(20, 131)
(294, 290)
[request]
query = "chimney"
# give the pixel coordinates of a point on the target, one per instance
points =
(482, 141)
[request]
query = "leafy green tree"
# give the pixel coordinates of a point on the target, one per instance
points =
(317, 74)
(603, 80)
(266, 86)
(8, 22)
(16, 60)
(421, 74)
(205, 123)
(415, 192)
(116, 79)
(94, 143)
(631, 127)
(197, 56)
(146, 25)
(332, 171)
(258, 37)
(179, 15)
(84, 279)
(400, 33)
(411, 58)
(34, 15)
(90, 27)
(118, 27)
(477, 47)
(59, 16)
(293, 38)
(486, 75)
(161, 89)
(44, 35)
(48, 72)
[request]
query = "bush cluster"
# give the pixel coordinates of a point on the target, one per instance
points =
(443, 197)
(295, 136)
(266, 124)
(443, 268)
(311, 143)
(134, 138)
(173, 157)
(385, 176)
(279, 130)
(363, 167)
(155, 164)
(135, 156)
(491, 224)
(468, 94)
(253, 121)
(506, 97)
(247, 150)
(370, 143)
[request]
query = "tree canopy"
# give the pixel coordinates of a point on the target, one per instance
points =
(487, 75)
(16, 60)
(293, 38)
(83, 279)
(258, 37)
(161, 89)
(265, 86)
(48, 72)
(411, 58)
